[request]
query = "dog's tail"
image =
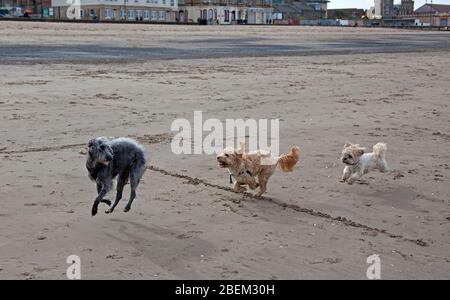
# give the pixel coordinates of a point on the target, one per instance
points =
(287, 162)
(139, 166)
(380, 149)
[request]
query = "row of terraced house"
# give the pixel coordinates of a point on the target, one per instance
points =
(181, 11)
(226, 11)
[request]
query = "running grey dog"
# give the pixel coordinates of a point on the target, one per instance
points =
(123, 158)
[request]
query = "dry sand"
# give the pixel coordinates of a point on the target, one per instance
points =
(185, 222)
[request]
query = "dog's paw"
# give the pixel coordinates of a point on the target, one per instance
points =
(94, 211)
(254, 187)
(362, 182)
(109, 211)
(240, 190)
(259, 194)
(126, 209)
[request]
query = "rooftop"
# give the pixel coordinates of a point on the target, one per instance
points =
(439, 8)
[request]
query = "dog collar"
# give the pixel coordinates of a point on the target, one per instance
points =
(240, 173)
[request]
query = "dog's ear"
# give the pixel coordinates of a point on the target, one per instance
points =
(347, 144)
(360, 151)
(91, 142)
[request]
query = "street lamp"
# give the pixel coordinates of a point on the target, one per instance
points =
(431, 13)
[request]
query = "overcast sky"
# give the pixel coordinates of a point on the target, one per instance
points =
(368, 3)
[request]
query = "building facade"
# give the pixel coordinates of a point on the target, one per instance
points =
(406, 8)
(225, 11)
(295, 11)
(7, 4)
(433, 15)
(37, 8)
(437, 15)
(117, 10)
(384, 9)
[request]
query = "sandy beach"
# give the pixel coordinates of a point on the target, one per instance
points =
(63, 84)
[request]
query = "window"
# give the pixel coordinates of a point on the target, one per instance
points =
(154, 14)
(163, 2)
(146, 14)
(227, 16)
(130, 14)
(122, 13)
(81, 13)
(172, 2)
(138, 13)
(162, 15)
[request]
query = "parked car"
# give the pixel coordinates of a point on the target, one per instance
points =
(4, 13)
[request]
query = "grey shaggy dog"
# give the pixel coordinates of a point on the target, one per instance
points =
(123, 158)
